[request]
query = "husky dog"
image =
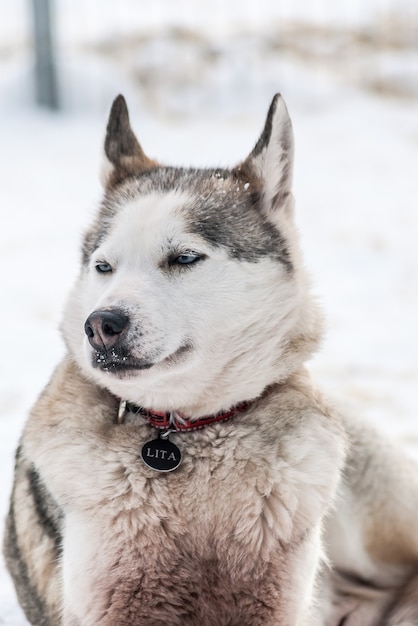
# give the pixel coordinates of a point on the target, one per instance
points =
(181, 468)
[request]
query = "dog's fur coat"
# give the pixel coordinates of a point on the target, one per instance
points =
(199, 273)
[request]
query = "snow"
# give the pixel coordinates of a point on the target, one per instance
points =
(202, 101)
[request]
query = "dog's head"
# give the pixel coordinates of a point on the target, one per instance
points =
(191, 295)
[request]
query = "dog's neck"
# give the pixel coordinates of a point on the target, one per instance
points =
(176, 421)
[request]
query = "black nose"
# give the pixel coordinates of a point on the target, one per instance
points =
(104, 328)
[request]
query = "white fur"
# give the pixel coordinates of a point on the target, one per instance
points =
(81, 554)
(251, 494)
(175, 309)
(264, 495)
(270, 164)
(105, 171)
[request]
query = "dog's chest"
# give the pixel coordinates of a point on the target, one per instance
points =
(153, 542)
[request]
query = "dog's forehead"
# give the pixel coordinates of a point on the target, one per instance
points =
(217, 205)
(217, 189)
(168, 199)
(149, 223)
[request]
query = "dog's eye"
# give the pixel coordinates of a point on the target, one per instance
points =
(186, 259)
(103, 268)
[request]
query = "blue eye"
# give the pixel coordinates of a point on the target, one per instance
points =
(103, 268)
(187, 258)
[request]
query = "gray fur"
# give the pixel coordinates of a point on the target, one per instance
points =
(233, 537)
(45, 516)
(121, 146)
(226, 211)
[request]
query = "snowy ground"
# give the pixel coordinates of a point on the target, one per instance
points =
(202, 100)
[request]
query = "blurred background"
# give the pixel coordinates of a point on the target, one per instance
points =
(199, 76)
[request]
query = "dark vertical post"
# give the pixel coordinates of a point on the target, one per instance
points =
(45, 69)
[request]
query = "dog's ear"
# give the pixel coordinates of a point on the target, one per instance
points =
(123, 153)
(271, 160)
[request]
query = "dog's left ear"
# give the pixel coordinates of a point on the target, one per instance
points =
(123, 153)
(271, 161)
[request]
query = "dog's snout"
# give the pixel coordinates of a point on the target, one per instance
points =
(104, 328)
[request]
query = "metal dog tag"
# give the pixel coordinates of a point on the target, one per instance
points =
(161, 454)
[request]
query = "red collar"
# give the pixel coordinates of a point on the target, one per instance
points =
(176, 420)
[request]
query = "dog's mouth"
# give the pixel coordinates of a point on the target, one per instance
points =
(121, 364)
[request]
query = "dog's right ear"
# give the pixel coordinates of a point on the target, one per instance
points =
(123, 153)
